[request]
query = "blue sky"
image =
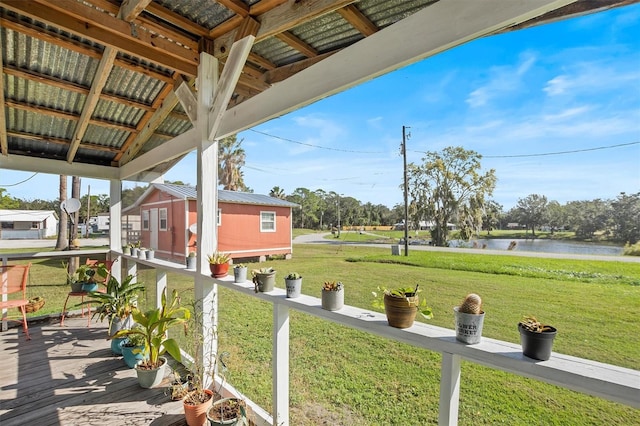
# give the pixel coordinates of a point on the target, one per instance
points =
(516, 98)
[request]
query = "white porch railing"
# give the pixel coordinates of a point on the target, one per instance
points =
(594, 378)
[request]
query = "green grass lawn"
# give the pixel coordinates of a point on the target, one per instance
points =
(342, 376)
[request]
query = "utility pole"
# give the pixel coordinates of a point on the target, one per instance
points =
(405, 136)
(86, 221)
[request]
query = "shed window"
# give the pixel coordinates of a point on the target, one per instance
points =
(267, 221)
(145, 220)
(163, 219)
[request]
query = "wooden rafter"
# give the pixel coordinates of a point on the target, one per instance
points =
(352, 15)
(282, 18)
(163, 105)
(99, 80)
(73, 45)
(294, 42)
(130, 9)
(59, 141)
(38, 109)
(109, 31)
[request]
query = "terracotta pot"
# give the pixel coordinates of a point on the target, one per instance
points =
(196, 415)
(219, 270)
(401, 312)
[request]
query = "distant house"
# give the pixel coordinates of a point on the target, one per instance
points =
(28, 224)
(249, 225)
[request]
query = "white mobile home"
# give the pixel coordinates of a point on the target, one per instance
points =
(27, 224)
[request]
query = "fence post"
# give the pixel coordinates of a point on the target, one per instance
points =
(280, 364)
(449, 390)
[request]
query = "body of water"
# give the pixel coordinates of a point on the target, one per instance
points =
(552, 246)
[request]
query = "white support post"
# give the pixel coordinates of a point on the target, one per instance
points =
(206, 292)
(131, 267)
(161, 285)
(280, 365)
(115, 224)
(449, 390)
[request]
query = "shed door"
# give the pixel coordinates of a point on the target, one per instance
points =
(153, 228)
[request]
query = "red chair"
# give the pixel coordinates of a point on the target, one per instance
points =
(82, 294)
(13, 280)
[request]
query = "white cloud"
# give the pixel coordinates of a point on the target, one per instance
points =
(503, 80)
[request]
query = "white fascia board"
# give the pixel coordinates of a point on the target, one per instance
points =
(57, 167)
(434, 29)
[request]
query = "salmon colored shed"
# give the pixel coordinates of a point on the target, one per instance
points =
(249, 225)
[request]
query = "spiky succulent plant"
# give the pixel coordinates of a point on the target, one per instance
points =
(472, 304)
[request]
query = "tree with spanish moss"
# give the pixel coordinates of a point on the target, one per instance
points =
(450, 186)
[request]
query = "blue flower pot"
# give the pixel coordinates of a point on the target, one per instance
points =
(132, 355)
(90, 287)
(116, 345)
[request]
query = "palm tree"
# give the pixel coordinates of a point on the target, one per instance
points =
(277, 192)
(231, 157)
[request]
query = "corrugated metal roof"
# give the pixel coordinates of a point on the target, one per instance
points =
(51, 55)
(189, 192)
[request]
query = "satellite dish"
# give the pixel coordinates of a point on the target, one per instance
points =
(71, 205)
(193, 228)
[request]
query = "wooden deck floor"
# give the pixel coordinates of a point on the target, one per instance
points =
(69, 376)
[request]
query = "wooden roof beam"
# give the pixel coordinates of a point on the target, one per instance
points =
(164, 103)
(288, 38)
(73, 87)
(105, 29)
(358, 20)
(99, 81)
(39, 109)
(60, 141)
(236, 6)
(130, 9)
(83, 49)
(280, 19)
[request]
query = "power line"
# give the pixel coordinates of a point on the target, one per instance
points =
(16, 184)
(562, 152)
(317, 146)
(424, 152)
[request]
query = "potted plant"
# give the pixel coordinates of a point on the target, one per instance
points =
(191, 260)
(135, 248)
(293, 284)
(332, 295)
(218, 264)
(401, 305)
(142, 253)
(239, 273)
(132, 348)
(536, 338)
(88, 277)
(264, 279)
(226, 411)
(203, 367)
(469, 318)
(153, 326)
(151, 254)
(179, 386)
(117, 302)
(126, 250)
